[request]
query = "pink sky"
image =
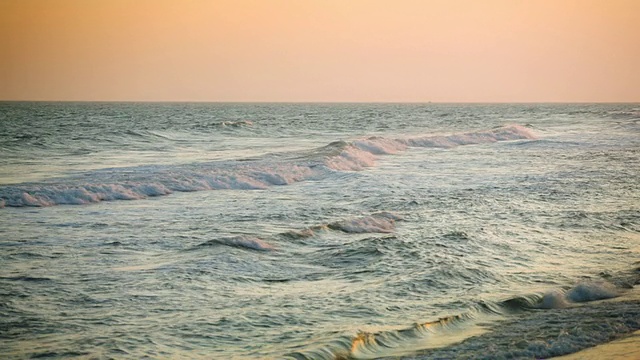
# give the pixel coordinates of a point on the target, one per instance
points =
(321, 50)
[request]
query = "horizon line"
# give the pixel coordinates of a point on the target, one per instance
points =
(314, 102)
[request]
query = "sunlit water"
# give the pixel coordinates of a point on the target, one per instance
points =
(317, 231)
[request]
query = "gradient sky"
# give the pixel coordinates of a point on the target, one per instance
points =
(321, 50)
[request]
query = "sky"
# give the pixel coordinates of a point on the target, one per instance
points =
(320, 50)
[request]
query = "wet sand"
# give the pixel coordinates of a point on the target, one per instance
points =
(627, 348)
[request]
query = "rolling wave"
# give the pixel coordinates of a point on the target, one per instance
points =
(150, 181)
(442, 333)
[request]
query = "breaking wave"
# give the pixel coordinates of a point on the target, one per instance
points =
(491, 320)
(150, 181)
(557, 298)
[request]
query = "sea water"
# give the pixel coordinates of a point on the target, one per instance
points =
(317, 231)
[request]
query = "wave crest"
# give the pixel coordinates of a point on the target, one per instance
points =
(381, 222)
(246, 242)
(150, 181)
(384, 222)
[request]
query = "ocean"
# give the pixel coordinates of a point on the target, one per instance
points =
(317, 231)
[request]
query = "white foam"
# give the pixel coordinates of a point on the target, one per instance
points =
(152, 184)
(80, 194)
(553, 300)
(351, 159)
(363, 153)
(505, 133)
(583, 292)
(380, 145)
(592, 291)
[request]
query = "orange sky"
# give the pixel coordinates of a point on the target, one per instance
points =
(321, 50)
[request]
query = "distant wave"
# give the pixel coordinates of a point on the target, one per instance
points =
(149, 181)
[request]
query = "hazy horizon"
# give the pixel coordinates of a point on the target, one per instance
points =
(332, 102)
(376, 51)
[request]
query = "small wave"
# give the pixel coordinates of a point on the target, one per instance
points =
(246, 242)
(236, 123)
(556, 298)
(304, 233)
(382, 222)
(225, 124)
(391, 343)
(592, 291)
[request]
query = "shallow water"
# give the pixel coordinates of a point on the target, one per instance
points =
(319, 231)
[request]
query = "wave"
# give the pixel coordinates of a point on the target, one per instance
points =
(150, 181)
(127, 184)
(557, 298)
(381, 222)
(236, 123)
(550, 314)
(359, 154)
(393, 343)
(246, 242)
